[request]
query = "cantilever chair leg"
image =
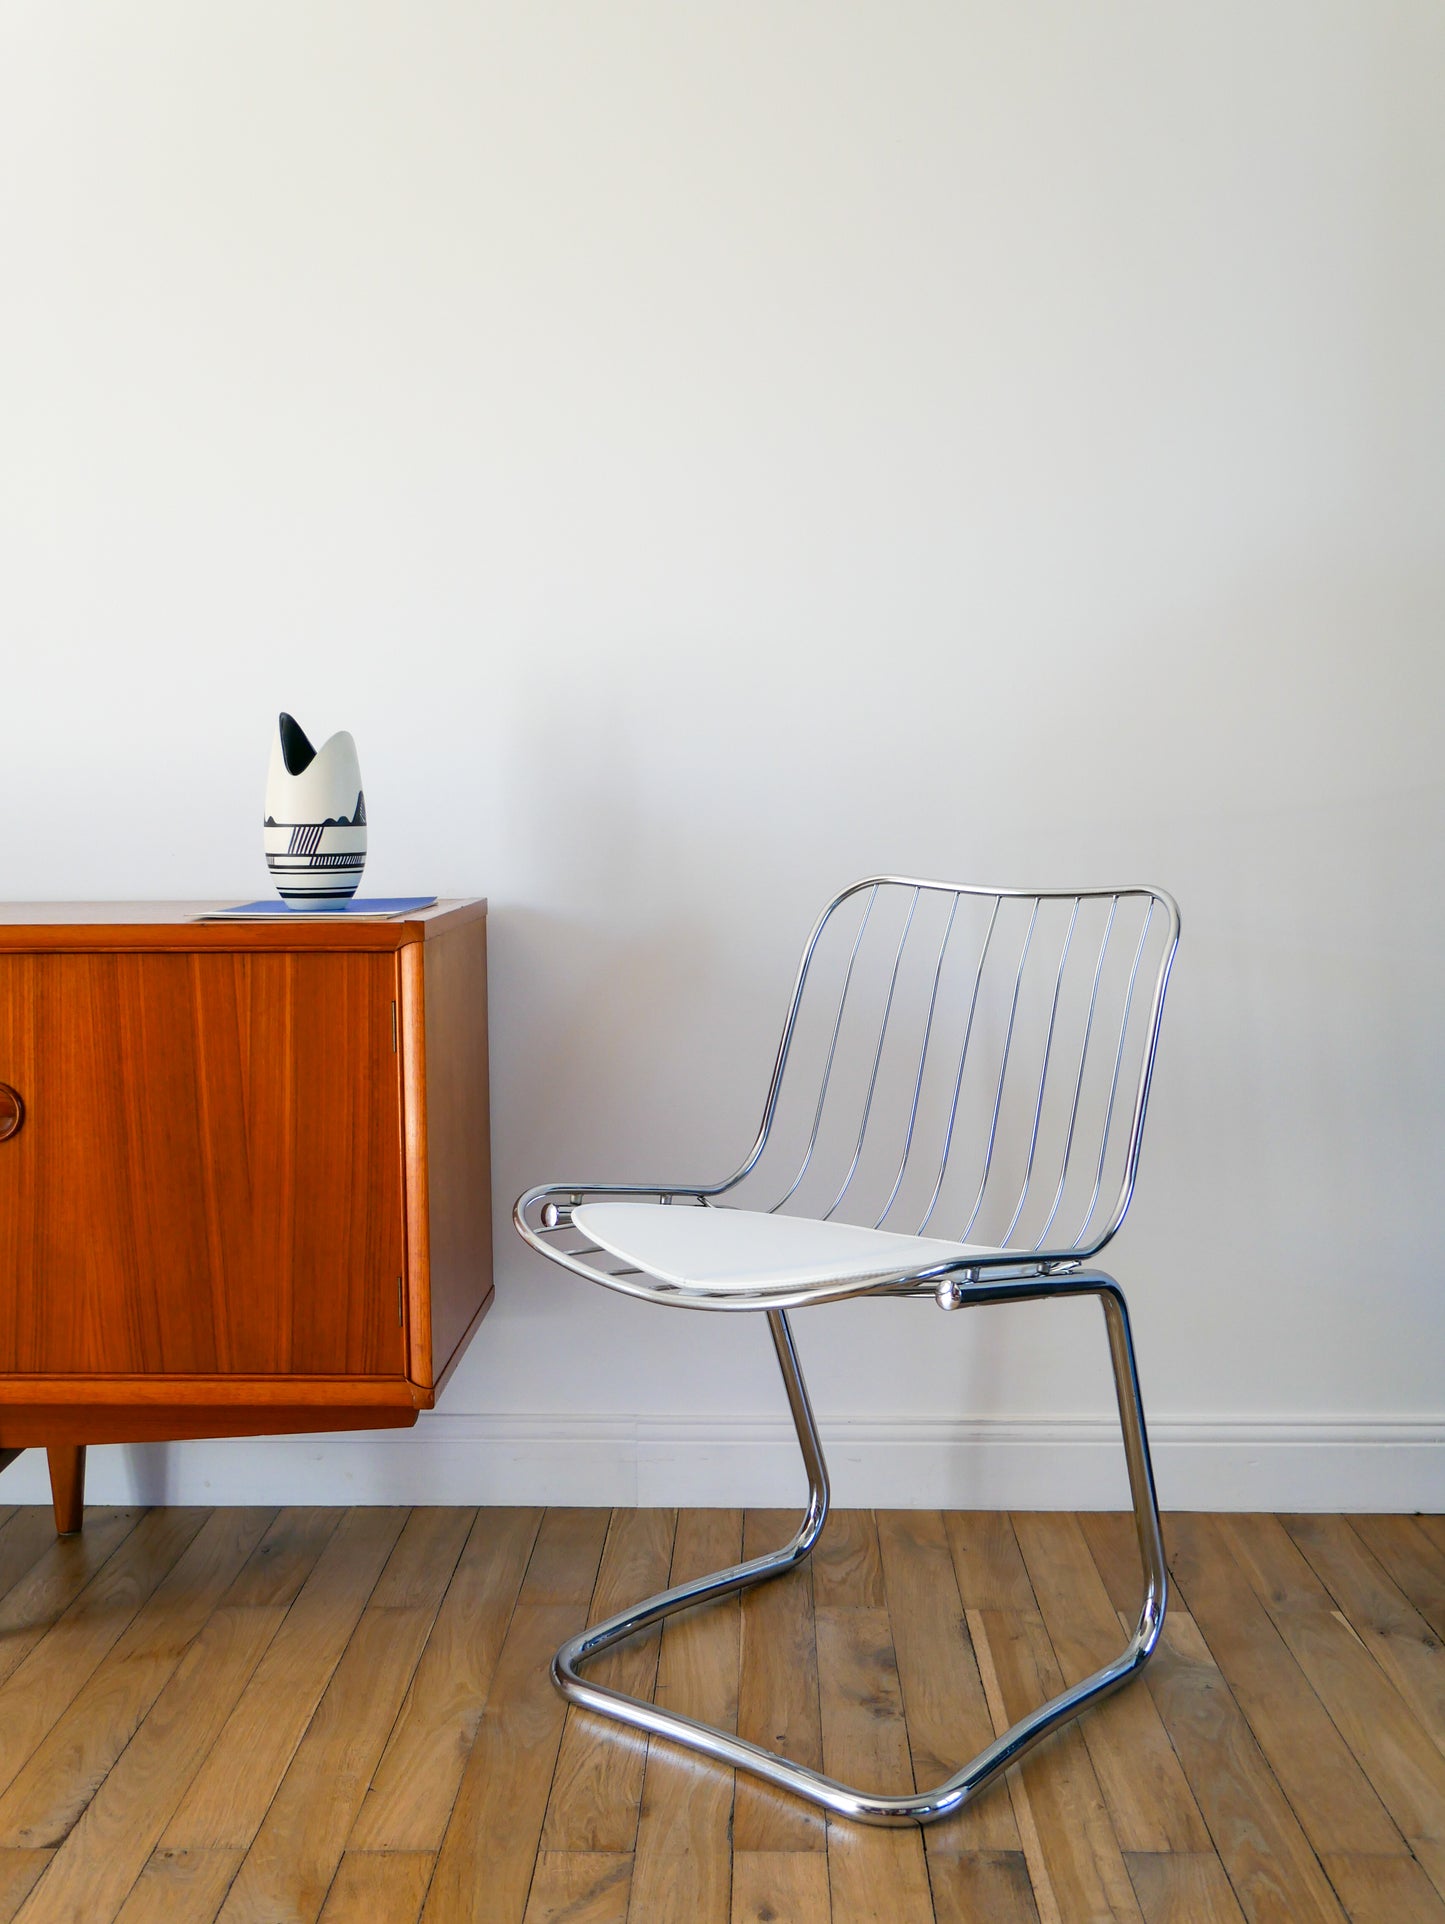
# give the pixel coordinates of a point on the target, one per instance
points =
(923, 1807)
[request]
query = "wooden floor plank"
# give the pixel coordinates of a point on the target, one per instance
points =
(1385, 1890)
(1331, 1795)
(1404, 1765)
(1411, 1559)
(1084, 1867)
(1278, 1570)
(1182, 1888)
(780, 1887)
(1144, 1786)
(65, 1770)
(597, 1785)
(180, 1887)
(19, 1871)
(25, 1536)
(109, 1845)
(1275, 1874)
(484, 1868)
(987, 1562)
(225, 1804)
(580, 1887)
(847, 1569)
(43, 1595)
(1391, 1628)
(778, 1696)
(981, 1887)
(358, 1703)
(947, 1713)
(683, 1863)
(875, 1876)
(66, 1655)
(1114, 1548)
(415, 1785)
(290, 1865)
(378, 1887)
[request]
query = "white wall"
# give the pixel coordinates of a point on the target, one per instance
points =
(705, 453)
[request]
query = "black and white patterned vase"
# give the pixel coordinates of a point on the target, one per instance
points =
(315, 818)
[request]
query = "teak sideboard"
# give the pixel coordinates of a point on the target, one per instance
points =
(244, 1173)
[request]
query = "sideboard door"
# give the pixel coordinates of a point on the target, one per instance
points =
(208, 1174)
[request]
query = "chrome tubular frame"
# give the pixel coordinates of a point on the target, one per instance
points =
(866, 1806)
(1029, 1270)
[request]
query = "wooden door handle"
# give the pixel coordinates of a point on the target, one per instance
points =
(12, 1110)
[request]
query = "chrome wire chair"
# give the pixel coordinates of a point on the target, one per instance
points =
(954, 1058)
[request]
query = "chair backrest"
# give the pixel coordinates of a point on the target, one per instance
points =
(970, 1063)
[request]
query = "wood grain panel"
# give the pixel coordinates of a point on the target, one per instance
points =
(458, 1139)
(49, 928)
(209, 1178)
(67, 1486)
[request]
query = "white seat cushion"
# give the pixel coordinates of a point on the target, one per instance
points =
(743, 1249)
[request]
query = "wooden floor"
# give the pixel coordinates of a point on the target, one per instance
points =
(345, 1715)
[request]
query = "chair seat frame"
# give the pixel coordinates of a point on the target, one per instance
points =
(543, 1218)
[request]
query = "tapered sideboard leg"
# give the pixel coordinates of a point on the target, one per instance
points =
(67, 1485)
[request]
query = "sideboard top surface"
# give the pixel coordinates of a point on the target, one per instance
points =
(52, 926)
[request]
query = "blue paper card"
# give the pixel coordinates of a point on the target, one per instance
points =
(378, 905)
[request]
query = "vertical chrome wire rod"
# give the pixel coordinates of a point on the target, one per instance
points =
(947, 1147)
(1079, 1078)
(877, 1057)
(828, 1066)
(1002, 1073)
(922, 1063)
(1146, 1077)
(1114, 1081)
(1043, 1076)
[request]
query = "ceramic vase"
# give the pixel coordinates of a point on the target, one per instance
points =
(315, 818)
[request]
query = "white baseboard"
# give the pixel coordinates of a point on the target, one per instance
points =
(904, 1462)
